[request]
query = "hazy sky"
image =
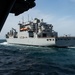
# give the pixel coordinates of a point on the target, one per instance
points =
(60, 13)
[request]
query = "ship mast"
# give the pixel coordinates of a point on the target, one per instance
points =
(22, 19)
(28, 17)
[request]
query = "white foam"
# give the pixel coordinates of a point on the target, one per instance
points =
(4, 43)
(71, 47)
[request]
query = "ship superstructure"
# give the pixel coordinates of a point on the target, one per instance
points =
(38, 33)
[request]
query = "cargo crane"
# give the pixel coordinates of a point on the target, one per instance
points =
(13, 6)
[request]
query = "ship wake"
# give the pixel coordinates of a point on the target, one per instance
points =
(72, 47)
(3, 43)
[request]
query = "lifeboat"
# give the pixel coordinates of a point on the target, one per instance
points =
(24, 29)
(21, 29)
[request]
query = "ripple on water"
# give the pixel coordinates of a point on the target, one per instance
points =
(31, 60)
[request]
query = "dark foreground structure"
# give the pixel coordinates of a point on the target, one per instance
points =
(13, 6)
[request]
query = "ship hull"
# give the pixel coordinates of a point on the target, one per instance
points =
(52, 42)
(65, 42)
(32, 41)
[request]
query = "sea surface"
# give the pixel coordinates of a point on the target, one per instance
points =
(32, 60)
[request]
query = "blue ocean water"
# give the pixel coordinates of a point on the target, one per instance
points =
(31, 60)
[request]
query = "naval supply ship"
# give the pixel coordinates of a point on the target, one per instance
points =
(38, 33)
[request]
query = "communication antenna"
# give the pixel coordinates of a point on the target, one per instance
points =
(31, 18)
(28, 17)
(23, 19)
